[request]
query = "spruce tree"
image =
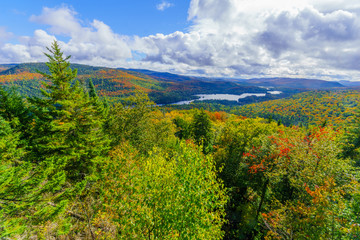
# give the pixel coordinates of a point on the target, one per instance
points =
(69, 128)
(201, 128)
(27, 193)
(14, 110)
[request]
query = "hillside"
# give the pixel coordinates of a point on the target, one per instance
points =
(4, 67)
(294, 83)
(162, 88)
(74, 167)
(313, 108)
(119, 83)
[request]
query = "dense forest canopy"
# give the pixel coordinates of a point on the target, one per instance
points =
(75, 165)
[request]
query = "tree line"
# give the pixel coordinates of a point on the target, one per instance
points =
(74, 166)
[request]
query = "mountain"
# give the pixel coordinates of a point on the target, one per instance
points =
(35, 67)
(350, 83)
(118, 83)
(162, 87)
(301, 83)
(4, 67)
(165, 76)
(308, 108)
(295, 83)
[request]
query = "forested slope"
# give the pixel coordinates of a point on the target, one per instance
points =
(308, 108)
(117, 84)
(74, 166)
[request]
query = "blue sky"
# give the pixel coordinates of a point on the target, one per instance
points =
(223, 38)
(129, 17)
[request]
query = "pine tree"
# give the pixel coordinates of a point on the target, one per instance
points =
(92, 91)
(14, 110)
(102, 106)
(27, 193)
(69, 128)
(201, 128)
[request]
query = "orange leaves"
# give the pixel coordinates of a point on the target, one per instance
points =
(257, 167)
(21, 76)
(261, 159)
(117, 83)
(320, 193)
(313, 108)
(218, 116)
(256, 161)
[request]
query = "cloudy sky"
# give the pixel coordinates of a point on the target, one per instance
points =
(228, 38)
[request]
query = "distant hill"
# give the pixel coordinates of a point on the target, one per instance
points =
(294, 83)
(33, 67)
(162, 87)
(302, 83)
(119, 83)
(308, 108)
(165, 76)
(4, 67)
(350, 83)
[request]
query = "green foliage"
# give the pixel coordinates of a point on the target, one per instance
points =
(351, 140)
(14, 110)
(162, 197)
(201, 130)
(183, 128)
(27, 192)
(68, 127)
(309, 108)
(67, 143)
(140, 123)
(238, 137)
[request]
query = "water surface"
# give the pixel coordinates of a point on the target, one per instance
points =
(229, 97)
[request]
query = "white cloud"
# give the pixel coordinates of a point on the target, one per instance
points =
(239, 38)
(163, 5)
(95, 44)
(62, 21)
(258, 37)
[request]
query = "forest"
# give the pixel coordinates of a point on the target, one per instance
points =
(117, 84)
(75, 165)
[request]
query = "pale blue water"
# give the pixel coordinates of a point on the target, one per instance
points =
(229, 97)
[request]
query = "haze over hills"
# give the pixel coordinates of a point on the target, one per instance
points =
(294, 83)
(350, 83)
(302, 83)
(162, 87)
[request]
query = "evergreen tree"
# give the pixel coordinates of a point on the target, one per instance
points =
(92, 91)
(351, 141)
(69, 128)
(27, 193)
(102, 106)
(201, 128)
(14, 110)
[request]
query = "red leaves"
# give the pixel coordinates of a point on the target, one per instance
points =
(259, 167)
(256, 163)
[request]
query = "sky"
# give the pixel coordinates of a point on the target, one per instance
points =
(213, 38)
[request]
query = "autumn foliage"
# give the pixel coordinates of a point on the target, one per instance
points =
(76, 164)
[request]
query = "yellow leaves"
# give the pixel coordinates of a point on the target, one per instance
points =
(162, 192)
(19, 76)
(322, 194)
(337, 107)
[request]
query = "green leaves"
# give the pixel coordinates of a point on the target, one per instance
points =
(165, 198)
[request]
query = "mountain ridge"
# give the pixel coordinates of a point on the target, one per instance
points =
(162, 87)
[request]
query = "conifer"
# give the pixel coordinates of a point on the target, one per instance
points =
(69, 128)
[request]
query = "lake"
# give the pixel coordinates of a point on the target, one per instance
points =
(229, 97)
